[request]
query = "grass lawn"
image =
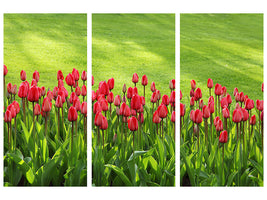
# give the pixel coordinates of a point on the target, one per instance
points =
(227, 48)
(123, 44)
(46, 43)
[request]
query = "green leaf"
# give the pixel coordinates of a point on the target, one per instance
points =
(24, 167)
(120, 173)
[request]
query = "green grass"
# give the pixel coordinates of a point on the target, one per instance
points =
(123, 44)
(227, 48)
(46, 43)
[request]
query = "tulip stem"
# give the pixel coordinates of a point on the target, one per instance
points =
(98, 135)
(85, 129)
(174, 131)
(33, 121)
(237, 131)
(15, 134)
(45, 123)
(103, 138)
(8, 134)
(58, 125)
(262, 135)
(223, 158)
(197, 138)
(145, 91)
(211, 127)
(206, 131)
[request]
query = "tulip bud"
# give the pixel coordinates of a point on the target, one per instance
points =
(206, 112)
(93, 80)
(252, 120)
(8, 116)
(163, 111)
(135, 78)
(235, 91)
(111, 83)
(153, 87)
(156, 118)
(37, 109)
(78, 91)
(9, 88)
(173, 117)
(198, 94)
(5, 70)
(201, 103)
(259, 105)
(182, 109)
(224, 91)
(124, 88)
(219, 125)
(72, 114)
(133, 124)
(144, 80)
(193, 84)
(23, 75)
(84, 76)
(70, 80)
(75, 74)
(59, 103)
(225, 112)
(33, 95)
(210, 83)
(223, 137)
(218, 89)
(237, 116)
(60, 75)
(192, 101)
(165, 100)
(192, 115)
(36, 76)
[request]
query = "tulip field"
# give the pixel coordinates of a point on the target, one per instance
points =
(221, 141)
(45, 131)
(221, 100)
(133, 141)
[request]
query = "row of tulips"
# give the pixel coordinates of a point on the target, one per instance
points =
(130, 110)
(218, 121)
(42, 104)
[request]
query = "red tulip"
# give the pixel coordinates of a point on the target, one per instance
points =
(77, 104)
(198, 94)
(103, 88)
(22, 75)
(201, 103)
(242, 97)
(75, 74)
(84, 90)
(158, 94)
(245, 114)
(78, 91)
(84, 76)
(237, 116)
(181, 95)
(172, 84)
(135, 102)
(262, 87)
(215, 121)
(163, 111)
(252, 120)
(127, 111)
(223, 137)
(206, 112)
(84, 108)
(218, 89)
(9, 87)
(182, 109)
(33, 83)
(211, 106)
(219, 125)
(104, 123)
(229, 99)
(143, 100)
(165, 100)
(97, 107)
(224, 102)
(135, 78)
(50, 95)
(156, 118)
(210, 83)
(192, 101)
(33, 95)
(110, 97)
(224, 90)
(60, 75)
(124, 88)
(43, 91)
(153, 87)
(235, 91)
(93, 96)
(5, 70)
(117, 101)
(129, 93)
(37, 109)
(8, 116)
(104, 104)
(154, 97)
(198, 116)
(237, 97)
(192, 116)
(135, 91)
(98, 119)
(249, 104)
(22, 91)
(36, 76)
(193, 84)
(12, 109)
(59, 102)
(111, 83)
(225, 112)
(173, 117)
(259, 105)
(16, 106)
(133, 124)
(237, 106)
(47, 105)
(172, 97)
(72, 114)
(93, 80)
(55, 91)
(192, 93)
(70, 80)
(72, 97)
(144, 80)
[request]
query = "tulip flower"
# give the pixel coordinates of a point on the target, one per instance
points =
(172, 85)
(198, 94)
(192, 102)
(36, 76)
(84, 91)
(84, 77)
(72, 116)
(93, 80)
(206, 115)
(133, 126)
(237, 117)
(152, 87)
(60, 75)
(223, 139)
(198, 119)
(144, 83)
(111, 84)
(77, 91)
(7, 119)
(70, 81)
(262, 87)
(210, 84)
(135, 79)
(165, 100)
(23, 75)
(193, 84)
(97, 108)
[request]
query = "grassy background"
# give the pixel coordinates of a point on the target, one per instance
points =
(123, 44)
(225, 47)
(46, 43)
